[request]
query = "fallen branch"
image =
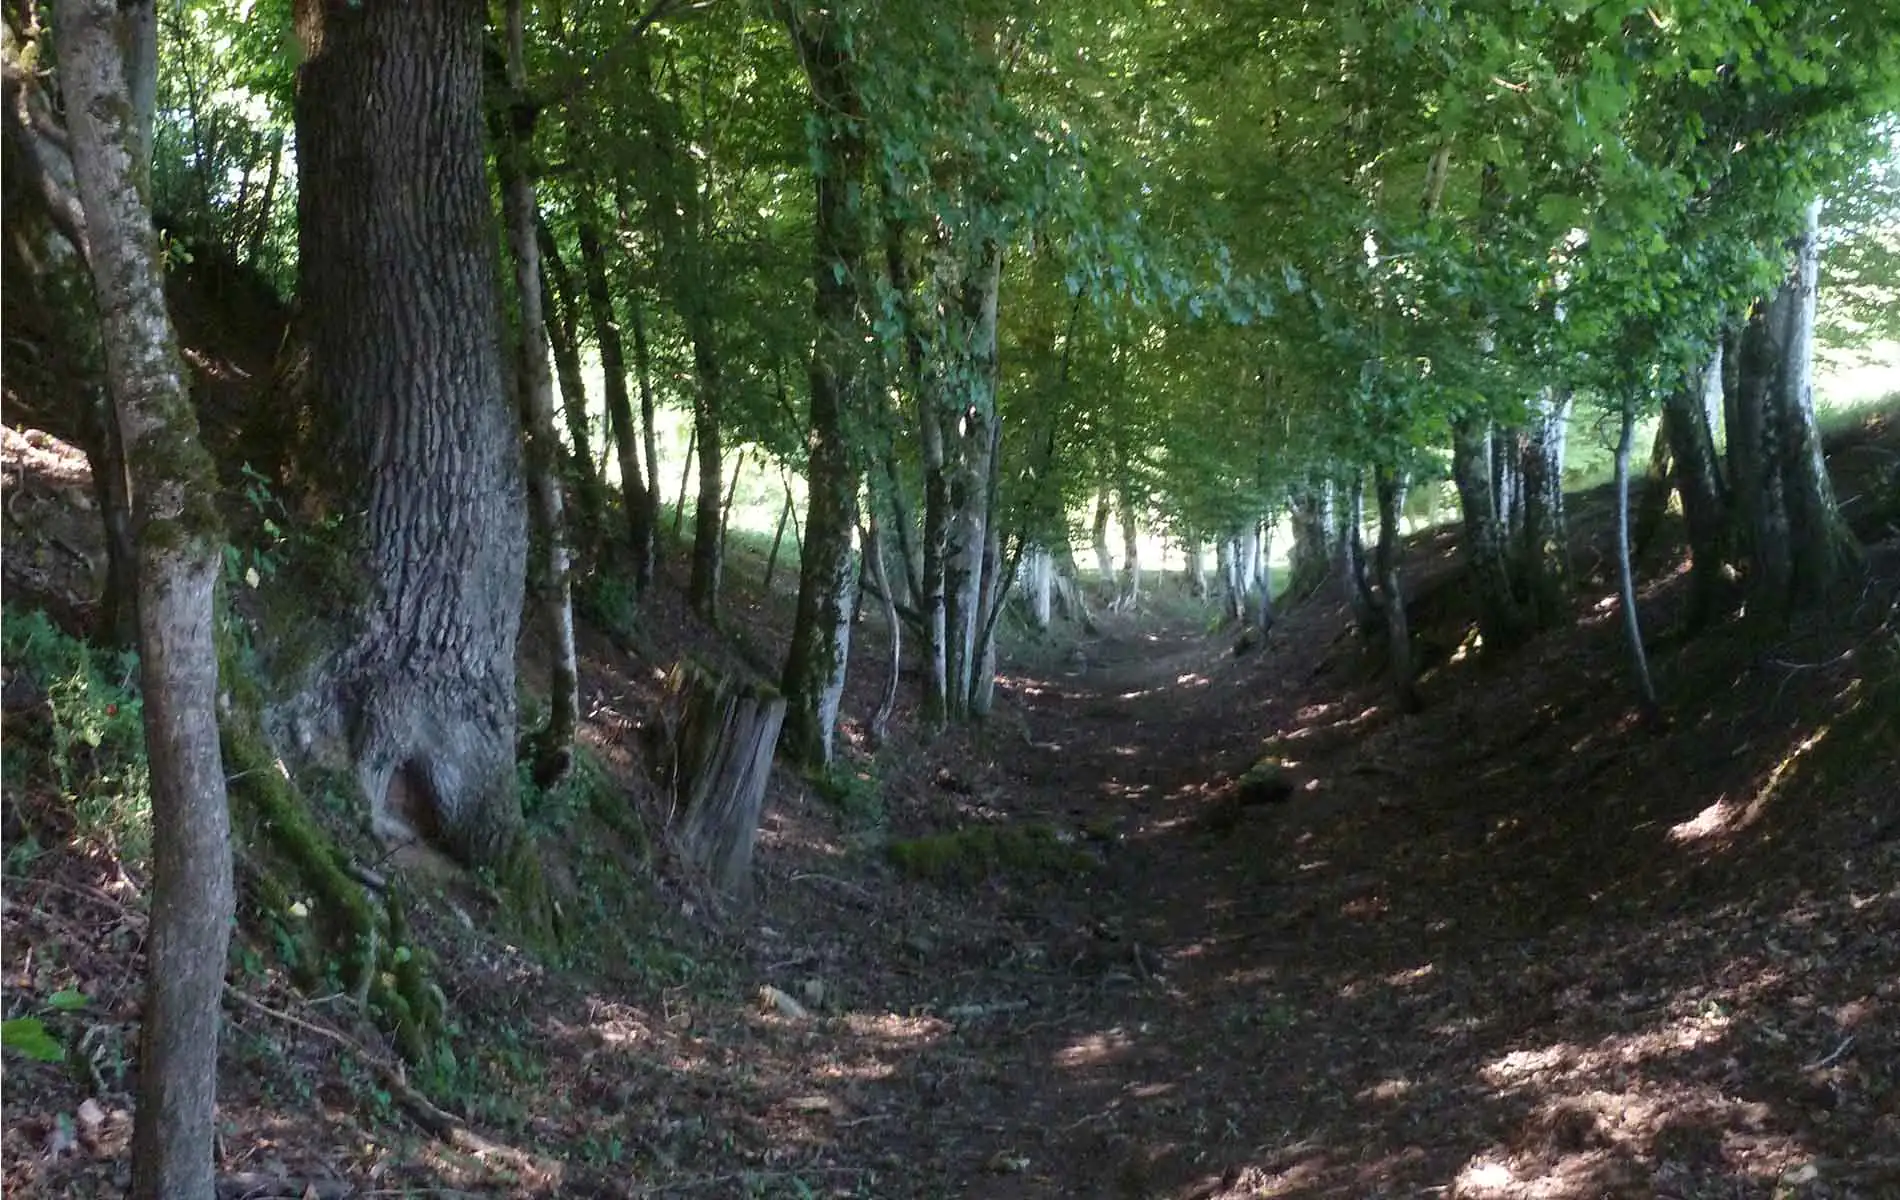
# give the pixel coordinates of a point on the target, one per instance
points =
(443, 1125)
(1833, 1058)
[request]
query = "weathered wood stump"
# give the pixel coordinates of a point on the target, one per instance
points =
(717, 756)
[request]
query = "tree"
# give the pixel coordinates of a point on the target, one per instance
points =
(827, 580)
(400, 295)
(179, 542)
(551, 584)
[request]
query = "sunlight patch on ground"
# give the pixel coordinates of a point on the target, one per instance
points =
(1489, 1178)
(1725, 817)
(1095, 1049)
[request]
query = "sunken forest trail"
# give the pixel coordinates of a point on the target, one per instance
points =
(1512, 946)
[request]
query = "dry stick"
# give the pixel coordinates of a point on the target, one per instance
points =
(732, 491)
(444, 1125)
(686, 473)
(771, 560)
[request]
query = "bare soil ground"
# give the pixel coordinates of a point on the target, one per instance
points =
(1511, 946)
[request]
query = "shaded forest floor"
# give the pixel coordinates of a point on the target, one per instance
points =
(1511, 946)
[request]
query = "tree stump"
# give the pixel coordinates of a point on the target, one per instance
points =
(720, 737)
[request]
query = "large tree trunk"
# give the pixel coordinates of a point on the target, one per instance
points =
(821, 631)
(552, 587)
(1800, 547)
(1500, 622)
(1544, 544)
(401, 300)
(635, 489)
(179, 544)
(718, 761)
(1698, 480)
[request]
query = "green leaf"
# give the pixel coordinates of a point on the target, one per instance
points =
(69, 1000)
(27, 1036)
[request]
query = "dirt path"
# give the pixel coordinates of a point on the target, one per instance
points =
(1418, 977)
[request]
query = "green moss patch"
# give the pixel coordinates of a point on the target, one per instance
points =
(971, 855)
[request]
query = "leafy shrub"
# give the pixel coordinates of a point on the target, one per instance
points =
(89, 730)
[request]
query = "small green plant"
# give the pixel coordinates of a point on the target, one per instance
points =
(93, 734)
(607, 600)
(30, 1038)
(853, 789)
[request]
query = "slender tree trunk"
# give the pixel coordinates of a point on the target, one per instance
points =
(1131, 556)
(649, 433)
(564, 337)
(1499, 621)
(821, 631)
(995, 589)
(778, 537)
(872, 550)
(402, 304)
(1390, 486)
(971, 443)
(179, 540)
(1314, 533)
(1194, 550)
(732, 494)
(634, 490)
(118, 602)
(551, 585)
(1625, 570)
(1039, 587)
(1265, 581)
(267, 204)
(1698, 481)
(1544, 554)
(1353, 574)
(703, 590)
(1104, 565)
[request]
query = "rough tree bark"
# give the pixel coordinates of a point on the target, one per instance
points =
(178, 546)
(821, 631)
(1039, 571)
(551, 583)
(400, 297)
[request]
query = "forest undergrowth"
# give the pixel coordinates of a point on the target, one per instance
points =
(1512, 945)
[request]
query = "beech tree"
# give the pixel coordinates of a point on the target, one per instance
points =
(179, 549)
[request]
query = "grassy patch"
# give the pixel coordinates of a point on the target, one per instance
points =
(971, 855)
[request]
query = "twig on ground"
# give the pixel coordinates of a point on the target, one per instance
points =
(1832, 1058)
(441, 1124)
